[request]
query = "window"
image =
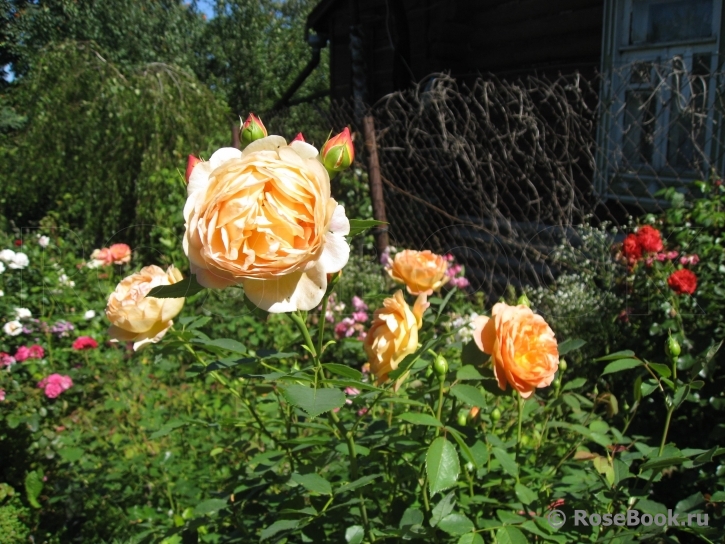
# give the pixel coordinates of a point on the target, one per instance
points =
(660, 68)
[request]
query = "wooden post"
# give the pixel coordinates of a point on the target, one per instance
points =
(376, 183)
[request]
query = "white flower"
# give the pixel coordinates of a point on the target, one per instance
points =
(90, 314)
(2, 293)
(20, 261)
(13, 328)
(2, 267)
(43, 241)
(63, 280)
(7, 255)
(23, 313)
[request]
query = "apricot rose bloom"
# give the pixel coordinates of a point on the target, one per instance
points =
(263, 217)
(138, 318)
(420, 271)
(523, 348)
(393, 334)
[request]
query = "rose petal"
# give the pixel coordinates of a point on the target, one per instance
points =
(223, 155)
(295, 291)
(304, 150)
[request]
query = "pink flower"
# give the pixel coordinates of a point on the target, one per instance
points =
(6, 359)
(352, 391)
(55, 384)
(22, 354)
(345, 328)
(362, 411)
(360, 317)
(359, 304)
(385, 259)
(557, 503)
(84, 342)
(454, 270)
(460, 283)
(449, 257)
(689, 259)
(36, 352)
(2, 395)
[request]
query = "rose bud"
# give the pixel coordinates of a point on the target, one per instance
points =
(298, 138)
(191, 162)
(338, 153)
(252, 130)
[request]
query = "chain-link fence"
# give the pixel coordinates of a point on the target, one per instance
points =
(501, 171)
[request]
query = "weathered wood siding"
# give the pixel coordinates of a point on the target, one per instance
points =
(405, 40)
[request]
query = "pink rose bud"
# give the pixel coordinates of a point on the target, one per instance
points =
(191, 162)
(252, 129)
(338, 153)
(298, 138)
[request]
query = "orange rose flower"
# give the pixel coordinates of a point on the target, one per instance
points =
(524, 351)
(393, 334)
(420, 271)
(120, 253)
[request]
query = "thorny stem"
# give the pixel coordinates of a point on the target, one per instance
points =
(518, 429)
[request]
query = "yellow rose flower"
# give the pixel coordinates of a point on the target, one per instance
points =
(263, 217)
(393, 334)
(420, 271)
(138, 318)
(524, 351)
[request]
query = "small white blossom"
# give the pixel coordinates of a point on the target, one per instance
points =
(2, 267)
(7, 255)
(20, 261)
(2, 293)
(43, 241)
(13, 328)
(63, 280)
(23, 313)
(90, 314)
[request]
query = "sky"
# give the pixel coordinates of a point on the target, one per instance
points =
(206, 7)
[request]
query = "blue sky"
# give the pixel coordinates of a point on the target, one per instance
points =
(206, 7)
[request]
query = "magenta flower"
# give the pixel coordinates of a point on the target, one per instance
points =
(22, 354)
(689, 259)
(84, 342)
(2, 395)
(360, 317)
(55, 384)
(358, 304)
(36, 352)
(6, 359)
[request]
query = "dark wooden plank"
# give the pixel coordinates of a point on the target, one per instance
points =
(519, 10)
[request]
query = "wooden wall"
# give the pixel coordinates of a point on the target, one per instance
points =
(405, 40)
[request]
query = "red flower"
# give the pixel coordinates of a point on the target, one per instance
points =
(18, 243)
(84, 342)
(683, 281)
(631, 248)
(649, 239)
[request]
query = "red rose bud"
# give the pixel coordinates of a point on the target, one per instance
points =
(298, 138)
(683, 282)
(252, 130)
(631, 248)
(338, 153)
(191, 162)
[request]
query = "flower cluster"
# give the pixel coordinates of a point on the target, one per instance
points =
(106, 256)
(646, 240)
(84, 342)
(455, 273)
(55, 384)
(29, 352)
(348, 326)
(16, 261)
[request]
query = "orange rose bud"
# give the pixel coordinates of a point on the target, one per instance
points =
(338, 153)
(252, 129)
(191, 162)
(522, 345)
(298, 138)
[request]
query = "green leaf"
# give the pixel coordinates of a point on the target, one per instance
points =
(456, 524)
(33, 488)
(524, 494)
(468, 372)
(411, 516)
(313, 401)
(662, 462)
(358, 226)
(278, 527)
(469, 394)
(507, 462)
(510, 535)
(313, 482)
(442, 465)
(71, 454)
(360, 482)
(354, 534)
(646, 388)
(344, 370)
(420, 419)
(465, 450)
(621, 364)
(223, 343)
(617, 355)
(443, 508)
(662, 370)
(181, 289)
(471, 538)
(209, 506)
(166, 429)
(576, 383)
(570, 345)
(471, 355)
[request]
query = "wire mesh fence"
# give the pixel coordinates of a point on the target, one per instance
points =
(499, 172)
